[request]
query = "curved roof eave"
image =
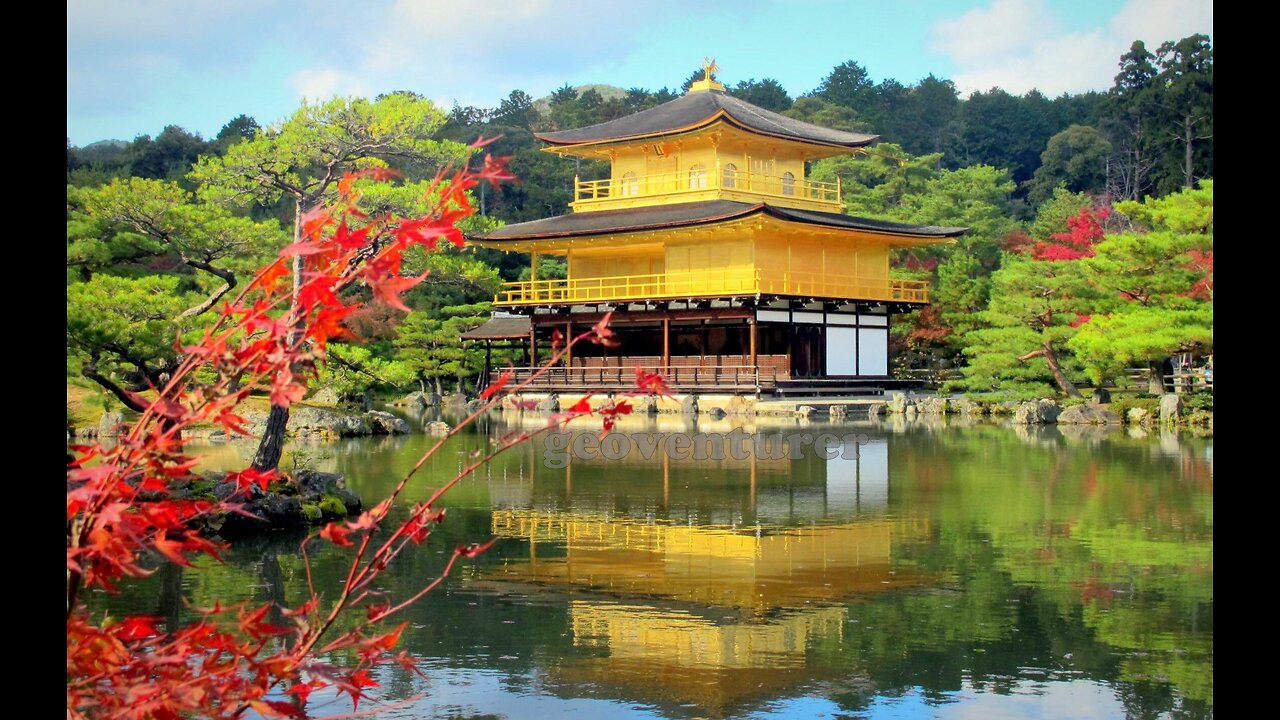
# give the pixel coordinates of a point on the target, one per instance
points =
(700, 213)
(699, 109)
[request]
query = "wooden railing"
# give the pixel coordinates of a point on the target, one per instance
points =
(681, 373)
(710, 283)
(1180, 381)
(619, 190)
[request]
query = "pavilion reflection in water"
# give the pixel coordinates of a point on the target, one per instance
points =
(676, 605)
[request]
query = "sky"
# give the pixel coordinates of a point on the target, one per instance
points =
(135, 66)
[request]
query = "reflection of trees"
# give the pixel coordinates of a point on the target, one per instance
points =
(1068, 557)
(1112, 538)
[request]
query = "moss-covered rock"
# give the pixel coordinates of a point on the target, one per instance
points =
(312, 512)
(332, 506)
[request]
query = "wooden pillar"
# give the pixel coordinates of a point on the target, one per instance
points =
(488, 361)
(754, 342)
(533, 344)
(568, 343)
(666, 341)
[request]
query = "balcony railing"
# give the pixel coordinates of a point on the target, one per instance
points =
(710, 283)
(710, 182)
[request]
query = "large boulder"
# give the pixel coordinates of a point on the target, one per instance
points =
(549, 404)
(1138, 416)
(644, 405)
(326, 396)
(1101, 396)
(305, 421)
(805, 411)
(419, 400)
(1170, 407)
(898, 403)
(717, 413)
(313, 497)
(741, 405)
(273, 512)
(932, 405)
(384, 423)
(1088, 415)
(838, 413)
(109, 424)
(314, 485)
(439, 428)
(689, 405)
(1007, 407)
(876, 409)
(1036, 412)
(965, 406)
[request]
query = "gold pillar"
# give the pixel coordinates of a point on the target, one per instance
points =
(533, 275)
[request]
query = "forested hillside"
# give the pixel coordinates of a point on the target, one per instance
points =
(1091, 220)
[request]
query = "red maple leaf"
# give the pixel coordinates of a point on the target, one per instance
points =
(497, 385)
(602, 335)
(336, 533)
(137, 627)
(651, 383)
(388, 290)
(474, 549)
(271, 275)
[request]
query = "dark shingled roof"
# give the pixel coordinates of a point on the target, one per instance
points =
(696, 213)
(500, 328)
(698, 108)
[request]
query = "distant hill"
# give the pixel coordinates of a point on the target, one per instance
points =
(106, 145)
(608, 92)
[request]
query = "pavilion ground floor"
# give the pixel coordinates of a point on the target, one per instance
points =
(778, 348)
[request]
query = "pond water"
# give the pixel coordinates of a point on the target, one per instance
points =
(911, 571)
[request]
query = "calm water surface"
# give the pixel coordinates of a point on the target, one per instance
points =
(930, 571)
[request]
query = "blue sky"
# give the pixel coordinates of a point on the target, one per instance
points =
(134, 66)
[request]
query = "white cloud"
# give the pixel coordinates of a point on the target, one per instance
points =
(324, 83)
(1015, 44)
(982, 34)
(1155, 21)
(444, 48)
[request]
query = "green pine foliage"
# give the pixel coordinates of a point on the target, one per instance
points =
(1158, 285)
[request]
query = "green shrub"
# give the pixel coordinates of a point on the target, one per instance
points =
(1198, 401)
(1121, 406)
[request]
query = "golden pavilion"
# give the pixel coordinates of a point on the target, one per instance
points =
(724, 266)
